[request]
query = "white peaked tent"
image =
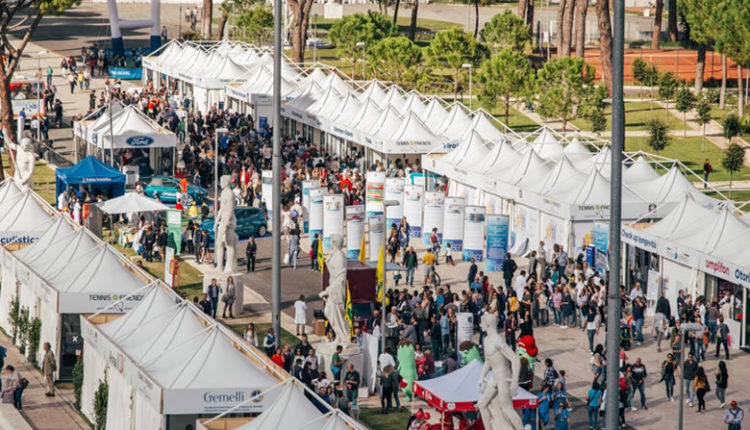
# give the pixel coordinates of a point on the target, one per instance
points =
(250, 58)
(333, 80)
(547, 145)
(367, 116)
(575, 151)
(670, 187)
(327, 104)
(595, 191)
(434, 115)
(501, 158)
(455, 124)
(131, 128)
(130, 203)
(413, 104)
(347, 109)
(317, 75)
(708, 235)
(411, 137)
(484, 125)
(531, 165)
(388, 121)
(290, 410)
(394, 98)
(374, 92)
(639, 171)
(306, 98)
(563, 176)
(23, 216)
(475, 151)
(9, 190)
(334, 420)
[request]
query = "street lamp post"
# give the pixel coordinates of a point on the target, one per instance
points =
(364, 60)
(684, 329)
(471, 97)
(39, 94)
(384, 314)
(219, 132)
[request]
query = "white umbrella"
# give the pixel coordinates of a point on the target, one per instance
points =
(131, 202)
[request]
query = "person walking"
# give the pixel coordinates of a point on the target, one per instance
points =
(314, 253)
(722, 381)
(706, 171)
(386, 388)
(250, 252)
(689, 370)
(509, 268)
(49, 367)
(269, 342)
(701, 388)
(293, 250)
(229, 298)
(473, 270)
(593, 400)
(213, 293)
(638, 371)
(410, 262)
(592, 326)
(300, 314)
(429, 261)
(722, 336)
(668, 368)
(351, 384)
(733, 416)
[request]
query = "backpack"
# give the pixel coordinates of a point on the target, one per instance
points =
(24, 383)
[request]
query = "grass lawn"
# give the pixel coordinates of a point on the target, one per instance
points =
(191, 280)
(322, 25)
(396, 419)
(737, 195)
(636, 116)
(688, 150)
(262, 328)
(43, 177)
(517, 121)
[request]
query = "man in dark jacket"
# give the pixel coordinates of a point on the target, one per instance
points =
(509, 267)
(410, 262)
(473, 269)
(435, 337)
(252, 249)
(314, 253)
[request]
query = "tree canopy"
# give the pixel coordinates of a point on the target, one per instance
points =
(257, 24)
(453, 48)
(507, 31)
(395, 59)
(351, 30)
(564, 86)
(503, 77)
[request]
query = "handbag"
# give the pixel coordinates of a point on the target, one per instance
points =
(286, 258)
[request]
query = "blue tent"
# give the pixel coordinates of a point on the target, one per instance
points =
(92, 174)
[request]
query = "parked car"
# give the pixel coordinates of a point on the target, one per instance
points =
(251, 221)
(167, 187)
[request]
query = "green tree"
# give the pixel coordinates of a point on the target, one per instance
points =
(658, 134)
(595, 111)
(22, 17)
(564, 86)
(731, 126)
(257, 24)
(598, 120)
(350, 32)
(507, 31)
(395, 59)
(734, 158)
(646, 74)
(453, 48)
(101, 398)
(667, 88)
(506, 76)
(697, 15)
(683, 102)
(703, 117)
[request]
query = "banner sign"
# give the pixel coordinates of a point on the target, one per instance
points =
(266, 191)
(355, 229)
(600, 236)
(473, 233)
(453, 223)
(375, 192)
(433, 215)
(497, 241)
(125, 73)
(316, 211)
(333, 218)
(89, 303)
(376, 232)
(306, 187)
(464, 328)
(174, 229)
(394, 190)
(413, 208)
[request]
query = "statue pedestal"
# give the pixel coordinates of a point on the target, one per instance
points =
(350, 354)
(221, 278)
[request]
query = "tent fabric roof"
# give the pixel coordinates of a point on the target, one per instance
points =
(9, 190)
(132, 128)
(64, 248)
(547, 145)
(639, 171)
(55, 239)
(290, 410)
(482, 124)
(330, 421)
(434, 115)
(461, 388)
(575, 150)
(94, 272)
(374, 92)
(563, 176)
(24, 213)
(131, 202)
(367, 116)
(413, 130)
(471, 152)
(455, 124)
(90, 167)
(501, 158)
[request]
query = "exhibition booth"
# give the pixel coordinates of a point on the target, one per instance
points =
(91, 175)
(24, 216)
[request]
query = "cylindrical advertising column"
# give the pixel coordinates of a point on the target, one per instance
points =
(306, 187)
(394, 190)
(355, 230)
(333, 218)
(464, 328)
(497, 241)
(413, 208)
(375, 190)
(453, 223)
(473, 233)
(316, 211)
(266, 191)
(375, 233)
(433, 214)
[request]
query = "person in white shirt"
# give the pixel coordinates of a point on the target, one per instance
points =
(251, 336)
(636, 291)
(62, 201)
(519, 284)
(300, 314)
(386, 359)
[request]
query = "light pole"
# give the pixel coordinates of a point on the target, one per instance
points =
(684, 329)
(364, 61)
(315, 37)
(470, 67)
(276, 169)
(218, 132)
(39, 94)
(384, 313)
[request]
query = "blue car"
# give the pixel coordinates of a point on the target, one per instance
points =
(251, 221)
(167, 187)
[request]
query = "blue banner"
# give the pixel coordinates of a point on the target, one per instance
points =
(125, 74)
(591, 255)
(600, 236)
(497, 241)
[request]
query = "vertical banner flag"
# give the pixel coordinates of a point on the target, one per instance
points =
(266, 191)
(413, 208)
(473, 233)
(316, 211)
(333, 218)
(497, 241)
(374, 193)
(433, 214)
(453, 223)
(394, 190)
(306, 187)
(355, 230)
(600, 236)
(376, 232)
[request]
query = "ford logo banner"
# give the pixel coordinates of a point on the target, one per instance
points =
(139, 141)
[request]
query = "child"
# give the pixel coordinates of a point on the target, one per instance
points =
(448, 255)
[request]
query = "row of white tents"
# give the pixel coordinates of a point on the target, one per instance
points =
(165, 362)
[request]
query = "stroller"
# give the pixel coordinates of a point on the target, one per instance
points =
(625, 335)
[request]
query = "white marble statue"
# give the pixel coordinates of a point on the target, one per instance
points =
(25, 161)
(335, 294)
(224, 226)
(496, 399)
